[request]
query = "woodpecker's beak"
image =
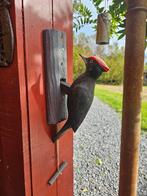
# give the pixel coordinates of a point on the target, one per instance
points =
(83, 58)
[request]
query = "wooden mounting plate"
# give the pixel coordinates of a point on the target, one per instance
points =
(55, 60)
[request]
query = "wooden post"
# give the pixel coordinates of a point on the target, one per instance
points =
(133, 79)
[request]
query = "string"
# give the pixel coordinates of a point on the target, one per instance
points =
(106, 5)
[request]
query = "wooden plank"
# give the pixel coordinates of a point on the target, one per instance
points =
(14, 156)
(55, 62)
(37, 17)
(62, 20)
(23, 97)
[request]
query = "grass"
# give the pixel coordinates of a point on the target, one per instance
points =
(144, 116)
(114, 99)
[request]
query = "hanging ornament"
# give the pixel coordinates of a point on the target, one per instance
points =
(103, 26)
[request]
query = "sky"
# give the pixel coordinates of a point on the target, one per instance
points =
(87, 29)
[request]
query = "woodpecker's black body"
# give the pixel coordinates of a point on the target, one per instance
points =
(80, 96)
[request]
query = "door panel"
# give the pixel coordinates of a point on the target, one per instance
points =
(45, 156)
(38, 16)
(62, 20)
(14, 149)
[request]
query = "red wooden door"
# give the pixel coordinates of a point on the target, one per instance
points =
(25, 135)
(45, 156)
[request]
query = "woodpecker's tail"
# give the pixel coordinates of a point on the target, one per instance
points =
(61, 132)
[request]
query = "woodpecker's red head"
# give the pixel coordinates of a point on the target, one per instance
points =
(96, 61)
(95, 65)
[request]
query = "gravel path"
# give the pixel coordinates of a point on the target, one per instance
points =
(96, 154)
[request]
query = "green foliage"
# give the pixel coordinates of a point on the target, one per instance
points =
(98, 162)
(82, 16)
(78, 64)
(115, 60)
(117, 11)
(144, 115)
(80, 47)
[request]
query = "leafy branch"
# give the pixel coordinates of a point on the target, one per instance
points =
(82, 16)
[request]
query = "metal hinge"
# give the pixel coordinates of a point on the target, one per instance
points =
(6, 35)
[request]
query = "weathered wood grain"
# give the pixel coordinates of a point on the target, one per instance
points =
(55, 61)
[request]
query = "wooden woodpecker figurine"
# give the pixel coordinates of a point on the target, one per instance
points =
(81, 93)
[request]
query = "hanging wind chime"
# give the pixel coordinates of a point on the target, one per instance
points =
(103, 26)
